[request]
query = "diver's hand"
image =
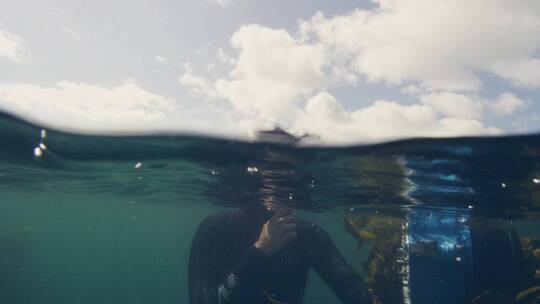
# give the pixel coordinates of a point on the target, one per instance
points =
(279, 231)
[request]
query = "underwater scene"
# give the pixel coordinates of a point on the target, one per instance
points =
(162, 219)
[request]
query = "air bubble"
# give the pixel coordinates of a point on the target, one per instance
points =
(38, 152)
(43, 134)
(252, 170)
(138, 166)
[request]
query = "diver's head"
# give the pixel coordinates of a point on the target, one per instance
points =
(276, 136)
(275, 169)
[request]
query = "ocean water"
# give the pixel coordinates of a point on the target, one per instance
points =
(110, 219)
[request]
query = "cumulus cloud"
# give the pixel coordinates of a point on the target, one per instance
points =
(440, 44)
(272, 72)
(85, 107)
(224, 58)
(12, 47)
(436, 51)
(197, 84)
(471, 105)
(507, 104)
(280, 79)
(523, 72)
(383, 120)
(455, 105)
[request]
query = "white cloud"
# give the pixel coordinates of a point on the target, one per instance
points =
(471, 105)
(383, 120)
(434, 115)
(507, 104)
(224, 58)
(522, 72)
(86, 107)
(455, 105)
(436, 50)
(12, 47)
(197, 84)
(440, 44)
(161, 59)
(272, 72)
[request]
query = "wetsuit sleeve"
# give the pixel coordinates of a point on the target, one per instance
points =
(212, 279)
(335, 271)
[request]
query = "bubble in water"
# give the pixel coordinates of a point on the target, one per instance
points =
(43, 146)
(503, 185)
(138, 166)
(43, 134)
(38, 152)
(252, 170)
(536, 180)
(214, 172)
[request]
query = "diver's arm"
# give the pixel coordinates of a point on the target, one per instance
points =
(334, 270)
(207, 250)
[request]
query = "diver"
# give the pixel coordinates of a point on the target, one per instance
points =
(262, 254)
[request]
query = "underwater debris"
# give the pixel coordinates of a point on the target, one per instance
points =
(528, 295)
(491, 297)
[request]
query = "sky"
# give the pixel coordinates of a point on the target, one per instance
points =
(345, 72)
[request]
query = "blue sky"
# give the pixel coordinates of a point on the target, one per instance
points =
(346, 71)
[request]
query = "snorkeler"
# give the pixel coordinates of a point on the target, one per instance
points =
(262, 254)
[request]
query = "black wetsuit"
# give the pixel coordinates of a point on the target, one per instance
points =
(225, 267)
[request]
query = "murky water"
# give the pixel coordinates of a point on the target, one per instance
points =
(90, 219)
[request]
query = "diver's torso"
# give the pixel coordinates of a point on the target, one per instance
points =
(285, 280)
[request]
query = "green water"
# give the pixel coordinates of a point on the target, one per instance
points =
(76, 248)
(80, 222)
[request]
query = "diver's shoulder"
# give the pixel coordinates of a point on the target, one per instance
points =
(222, 219)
